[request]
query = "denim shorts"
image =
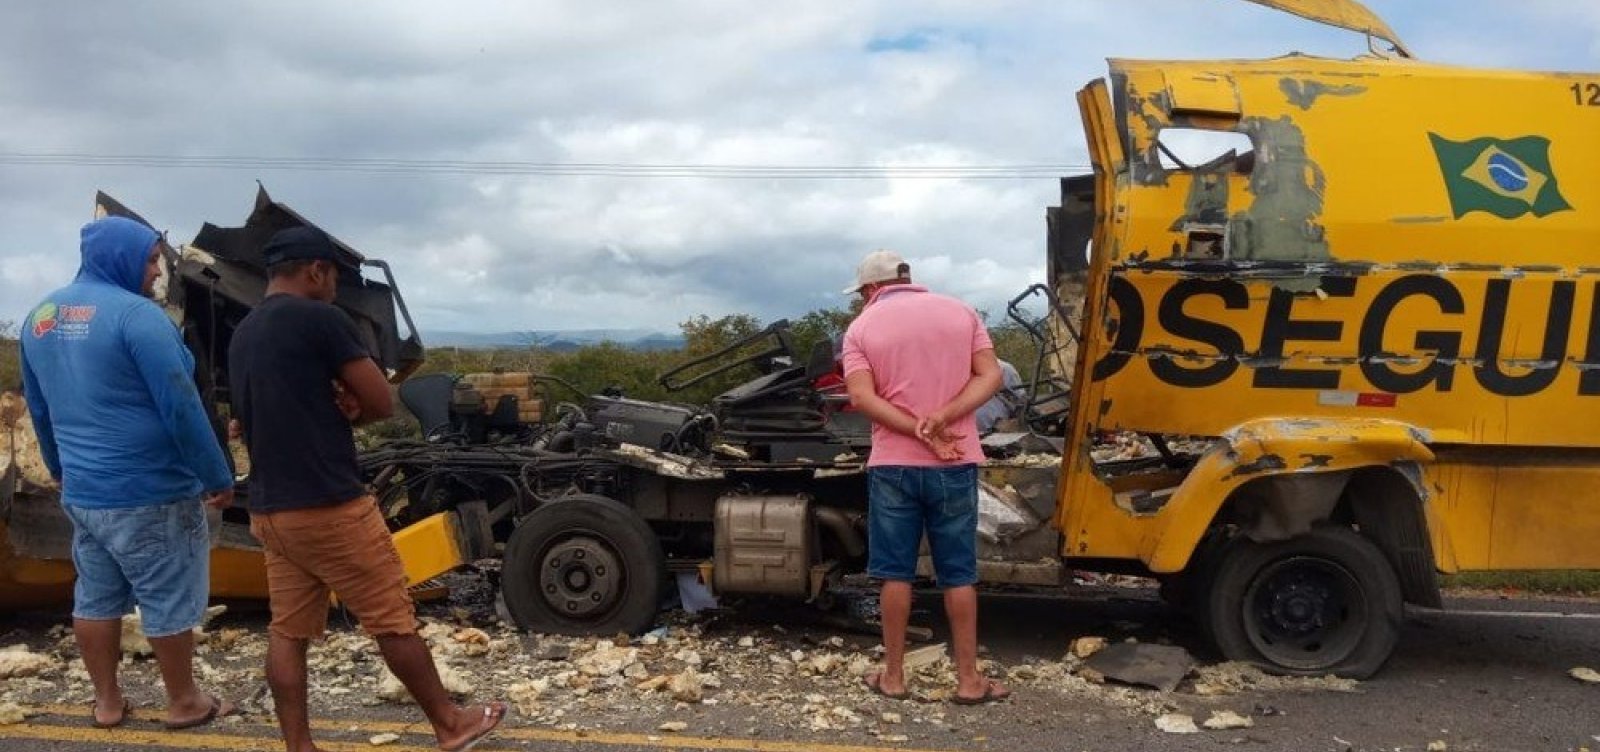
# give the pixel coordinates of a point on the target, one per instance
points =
(157, 557)
(903, 503)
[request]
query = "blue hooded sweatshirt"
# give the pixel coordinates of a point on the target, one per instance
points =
(110, 384)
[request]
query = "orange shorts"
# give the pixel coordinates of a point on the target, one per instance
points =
(343, 549)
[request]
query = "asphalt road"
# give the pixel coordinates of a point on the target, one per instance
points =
(1471, 681)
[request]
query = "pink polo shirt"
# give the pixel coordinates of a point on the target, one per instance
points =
(919, 348)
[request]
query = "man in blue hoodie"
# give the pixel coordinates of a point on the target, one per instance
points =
(111, 390)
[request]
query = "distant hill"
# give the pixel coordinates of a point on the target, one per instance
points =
(558, 341)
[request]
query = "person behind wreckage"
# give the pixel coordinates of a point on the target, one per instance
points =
(110, 387)
(919, 365)
(301, 377)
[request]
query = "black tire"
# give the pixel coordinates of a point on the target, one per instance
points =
(585, 565)
(1323, 603)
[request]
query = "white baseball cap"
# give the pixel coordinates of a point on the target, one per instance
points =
(879, 266)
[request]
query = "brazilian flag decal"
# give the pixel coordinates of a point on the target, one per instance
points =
(1506, 177)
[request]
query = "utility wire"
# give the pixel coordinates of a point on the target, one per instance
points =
(567, 169)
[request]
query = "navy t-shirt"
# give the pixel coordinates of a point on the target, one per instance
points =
(281, 365)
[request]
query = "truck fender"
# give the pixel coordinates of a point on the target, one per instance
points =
(1315, 455)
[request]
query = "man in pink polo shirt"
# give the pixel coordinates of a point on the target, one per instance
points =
(919, 364)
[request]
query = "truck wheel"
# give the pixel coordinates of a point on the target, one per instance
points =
(1323, 603)
(583, 565)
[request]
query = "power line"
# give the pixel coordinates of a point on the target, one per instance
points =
(555, 169)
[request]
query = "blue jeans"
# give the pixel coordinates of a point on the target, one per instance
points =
(903, 503)
(155, 556)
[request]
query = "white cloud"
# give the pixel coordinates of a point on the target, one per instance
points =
(831, 82)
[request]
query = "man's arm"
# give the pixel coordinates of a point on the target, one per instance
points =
(984, 383)
(360, 390)
(159, 354)
(39, 412)
(864, 395)
(365, 386)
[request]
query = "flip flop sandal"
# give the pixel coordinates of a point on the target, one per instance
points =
(989, 695)
(493, 714)
(211, 715)
(874, 682)
(127, 707)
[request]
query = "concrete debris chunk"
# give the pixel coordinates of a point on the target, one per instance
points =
(747, 642)
(1083, 647)
(17, 661)
(1225, 720)
(890, 717)
(1437, 746)
(687, 687)
(391, 690)
(1158, 666)
(525, 695)
(474, 642)
(1582, 673)
(378, 740)
(12, 714)
(1177, 723)
(924, 657)
(607, 661)
(894, 738)
(654, 683)
(673, 726)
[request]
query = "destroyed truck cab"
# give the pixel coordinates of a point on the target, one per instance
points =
(1382, 310)
(207, 287)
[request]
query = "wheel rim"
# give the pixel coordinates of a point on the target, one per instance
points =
(581, 577)
(1305, 613)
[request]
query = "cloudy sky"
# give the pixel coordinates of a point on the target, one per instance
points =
(836, 83)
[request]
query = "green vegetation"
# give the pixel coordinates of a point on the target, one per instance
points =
(635, 372)
(10, 358)
(1557, 582)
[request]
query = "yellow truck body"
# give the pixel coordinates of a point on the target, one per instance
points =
(1382, 303)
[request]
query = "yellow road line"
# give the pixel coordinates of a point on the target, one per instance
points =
(124, 738)
(579, 738)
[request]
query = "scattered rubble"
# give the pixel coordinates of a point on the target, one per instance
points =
(1234, 678)
(791, 679)
(133, 639)
(12, 714)
(18, 661)
(391, 690)
(1177, 723)
(1581, 673)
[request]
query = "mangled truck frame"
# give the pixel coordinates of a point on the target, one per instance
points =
(1376, 320)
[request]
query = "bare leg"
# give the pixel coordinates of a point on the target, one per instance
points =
(961, 608)
(100, 643)
(175, 657)
(286, 675)
(894, 605)
(408, 657)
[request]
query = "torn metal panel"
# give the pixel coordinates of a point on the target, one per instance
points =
(1346, 14)
(1144, 664)
(1003, 515)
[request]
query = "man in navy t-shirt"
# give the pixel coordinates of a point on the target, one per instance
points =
(301, 376)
